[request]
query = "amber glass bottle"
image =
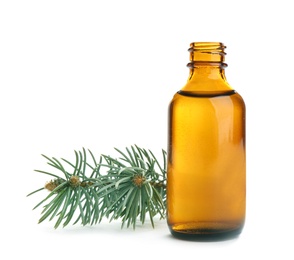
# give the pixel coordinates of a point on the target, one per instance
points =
(206, 174)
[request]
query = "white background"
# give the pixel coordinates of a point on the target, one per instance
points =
(100, 74)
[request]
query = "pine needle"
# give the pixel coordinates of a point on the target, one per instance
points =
(129, 188)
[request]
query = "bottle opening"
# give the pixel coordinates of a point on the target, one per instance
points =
(207, 52)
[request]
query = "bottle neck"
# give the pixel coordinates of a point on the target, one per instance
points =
(207, 69)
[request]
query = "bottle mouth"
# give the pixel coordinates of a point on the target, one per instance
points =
(207, 46)
(207, 52)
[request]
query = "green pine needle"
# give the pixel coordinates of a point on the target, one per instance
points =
(129, 188)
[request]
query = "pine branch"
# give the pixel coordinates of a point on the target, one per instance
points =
(128, 188)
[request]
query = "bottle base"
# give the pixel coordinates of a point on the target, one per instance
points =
(205, 232)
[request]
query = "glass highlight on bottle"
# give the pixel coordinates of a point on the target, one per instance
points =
(206, 173)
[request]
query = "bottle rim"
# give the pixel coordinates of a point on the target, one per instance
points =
(207, 46)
